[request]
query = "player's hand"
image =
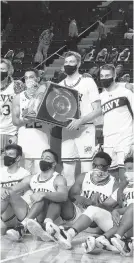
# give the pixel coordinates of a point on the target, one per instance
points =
(115, 217)
(4, 193)
(95, 199)
(37, 197)
(82, 201)
(74, 124)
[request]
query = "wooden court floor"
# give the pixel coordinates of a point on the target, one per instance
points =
(35, 251)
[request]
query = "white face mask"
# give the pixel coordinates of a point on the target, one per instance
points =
(130, 176)
(31, 84)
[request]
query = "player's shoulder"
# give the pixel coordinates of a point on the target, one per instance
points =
(62, 83)
(23, 171)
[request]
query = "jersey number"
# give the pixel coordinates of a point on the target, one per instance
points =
(6, 110)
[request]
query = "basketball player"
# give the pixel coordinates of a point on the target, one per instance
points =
(7, 130)
(120, 226)
(49, 192)
(117, 104)
(11, 174)
(88, 189)
(78, 140)
(34, 137)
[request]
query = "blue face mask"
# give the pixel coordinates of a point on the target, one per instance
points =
(45, 166)
(8, 161)
(106, 83)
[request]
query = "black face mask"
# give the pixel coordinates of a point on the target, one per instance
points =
(106, 83)
(45, 166)
(70, 70)
(3, 75)
(8, 161)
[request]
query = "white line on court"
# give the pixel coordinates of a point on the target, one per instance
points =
(26, 254)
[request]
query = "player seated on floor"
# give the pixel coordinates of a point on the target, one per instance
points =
(120, 234)
(10, 174)
(84, 193)
(49, 192)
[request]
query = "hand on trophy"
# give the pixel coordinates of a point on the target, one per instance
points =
(74, 124)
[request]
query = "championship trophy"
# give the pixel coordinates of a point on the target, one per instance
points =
(53, 103)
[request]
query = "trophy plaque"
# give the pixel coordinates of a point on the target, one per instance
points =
(55, 104)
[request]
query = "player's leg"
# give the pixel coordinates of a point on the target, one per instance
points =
(68, 155)
(67, 212)
(126, 224)
(84, 221)
(85, 142)
(3, 227)
(20, 209)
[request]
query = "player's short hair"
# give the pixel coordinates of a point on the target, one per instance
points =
(53, 153)
(9, 66)
(108, 67)
(33, 70)
(105, 156)
(75, 54)
(129, 160)
(16, 147)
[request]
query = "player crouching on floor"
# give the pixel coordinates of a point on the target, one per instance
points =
(79, 210)
(12, 174)
(49, 193)
(120, 235)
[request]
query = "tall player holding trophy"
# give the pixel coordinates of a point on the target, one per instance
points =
(33, 136)
(78, 138)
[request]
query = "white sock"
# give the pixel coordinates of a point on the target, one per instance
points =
(118, 236)
(24, 223)
(48, 220)
(72, 232)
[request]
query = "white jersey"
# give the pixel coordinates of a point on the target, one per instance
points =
(43, 186)
(8, 179)
(6, 98)
(128, 194)
(89, 187)
(88, 93)
(33, 137)
(117, 108)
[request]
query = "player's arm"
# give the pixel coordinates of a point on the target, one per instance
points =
(130, 97)
(75, 190)
(95, 102)
(61, 194)
(23, 186)
(110, 203)
(16, 113)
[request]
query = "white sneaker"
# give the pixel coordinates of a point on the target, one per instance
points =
(89, 244)
(37, 231)
(121, 246)
(60, 235)
(17, 233)
(103, 243)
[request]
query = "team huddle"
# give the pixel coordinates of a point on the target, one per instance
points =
(34, 195)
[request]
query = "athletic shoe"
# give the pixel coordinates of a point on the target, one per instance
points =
(38, 230)
(17, 233)
(89, 245)
(123, 246)
(60, 235)
(103, 243)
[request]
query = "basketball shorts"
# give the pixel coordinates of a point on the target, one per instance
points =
(118, 148)
(33, 141)
(78, 144)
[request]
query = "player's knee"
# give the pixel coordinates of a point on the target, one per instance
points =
(91, 212)
(67, 210)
